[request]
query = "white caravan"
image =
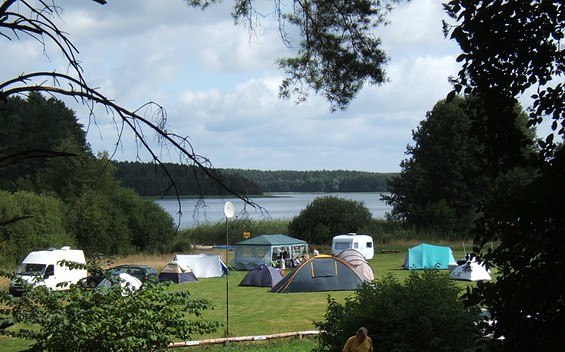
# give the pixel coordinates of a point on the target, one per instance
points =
(43, 268)
(362, 243)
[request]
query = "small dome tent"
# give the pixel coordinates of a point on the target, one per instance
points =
(266, 249)
(127, 282)
(470, 270)
(177, 272)
(427, 256)
(320, 273)
(262, 276)
(357, 260)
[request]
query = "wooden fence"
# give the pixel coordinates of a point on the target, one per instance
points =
(227, 340)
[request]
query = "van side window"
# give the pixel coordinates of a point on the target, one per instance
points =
(369, 244)
(50, 271)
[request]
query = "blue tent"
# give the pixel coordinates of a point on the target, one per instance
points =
(262, 276)
(427, 256)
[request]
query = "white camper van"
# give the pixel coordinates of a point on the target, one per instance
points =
(42, 268)
(362, 243)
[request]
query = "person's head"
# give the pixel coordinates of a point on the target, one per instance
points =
(362, 334)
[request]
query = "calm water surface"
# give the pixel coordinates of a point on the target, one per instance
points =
(279, 206)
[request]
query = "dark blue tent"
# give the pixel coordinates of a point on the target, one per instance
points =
(262, 276)
(321, 273)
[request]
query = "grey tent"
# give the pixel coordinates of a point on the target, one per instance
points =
(262, 276)
(321, 273)
(357, 260)
(266, 249)
(177, 273)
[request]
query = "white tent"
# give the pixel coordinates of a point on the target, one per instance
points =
(203, 265)
(127, 282)
(357, 260)
(471, 270)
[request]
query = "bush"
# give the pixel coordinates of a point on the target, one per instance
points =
(328, 216)
(32, 222)
(423, 314)
(104, 319)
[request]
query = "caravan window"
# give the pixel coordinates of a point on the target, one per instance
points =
(342, 245)
(369, 244)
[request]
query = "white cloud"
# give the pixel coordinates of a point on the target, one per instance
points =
(221, 90)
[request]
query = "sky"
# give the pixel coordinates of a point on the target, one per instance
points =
(219, 85)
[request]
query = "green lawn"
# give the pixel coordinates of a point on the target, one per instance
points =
(257, 311)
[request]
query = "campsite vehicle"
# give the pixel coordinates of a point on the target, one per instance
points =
(143, 273)
(361, 243)
(43, 268)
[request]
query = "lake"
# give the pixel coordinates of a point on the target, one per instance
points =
(278, 206)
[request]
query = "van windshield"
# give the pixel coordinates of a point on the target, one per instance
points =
(31, 269)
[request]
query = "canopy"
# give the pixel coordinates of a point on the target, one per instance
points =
(266, 249)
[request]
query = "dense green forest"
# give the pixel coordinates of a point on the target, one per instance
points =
(151, 180)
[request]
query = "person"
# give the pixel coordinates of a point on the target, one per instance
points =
(282, 266)
(359, 343)
(315, 252)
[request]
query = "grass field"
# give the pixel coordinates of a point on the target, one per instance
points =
(257, 311)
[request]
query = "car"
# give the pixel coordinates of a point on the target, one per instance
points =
(144, 273)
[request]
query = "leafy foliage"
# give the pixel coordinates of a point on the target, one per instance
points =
(512, 48)
(81, 203)
(33, 222)
(421, 314)
(443, 182)
(105, 319)
(328, 216)
(338, 51)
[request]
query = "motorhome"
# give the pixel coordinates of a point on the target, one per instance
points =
(44, 268)
(362, 243)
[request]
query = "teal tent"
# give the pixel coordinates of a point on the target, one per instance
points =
(320, 273)
(427, 256)
(266, 249)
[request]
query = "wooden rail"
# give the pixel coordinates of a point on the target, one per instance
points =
(227, 340)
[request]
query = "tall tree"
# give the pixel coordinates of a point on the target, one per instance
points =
(442, 182)
(510, 48)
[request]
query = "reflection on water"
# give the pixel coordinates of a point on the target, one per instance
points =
(279, 206)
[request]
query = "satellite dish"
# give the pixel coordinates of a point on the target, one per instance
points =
(229, 210)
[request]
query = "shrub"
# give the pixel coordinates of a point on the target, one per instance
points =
(328, 216)
(422, 314)
(104, 319)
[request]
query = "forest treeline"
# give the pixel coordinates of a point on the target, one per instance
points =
(151, 180)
